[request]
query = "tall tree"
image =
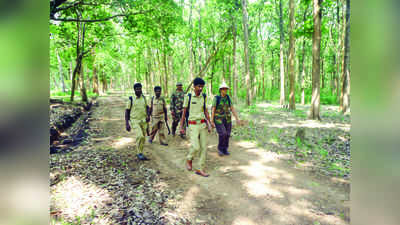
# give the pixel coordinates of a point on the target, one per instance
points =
(292, 103)
(316, 50)
(282, 98)
(345, 94)
(246, 50)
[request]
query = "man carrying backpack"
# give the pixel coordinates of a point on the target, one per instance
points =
(158, 112)
(176, 106)
(138, 108)
(197, 117)
(221, 118)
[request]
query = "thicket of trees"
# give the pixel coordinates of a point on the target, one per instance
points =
(296, 51)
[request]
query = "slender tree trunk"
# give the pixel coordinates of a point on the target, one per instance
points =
(316, 50)
(282, 98)
(78, 63)
(83, 86)
(191, 57)
(234, 64)
(246, 50)
(60, 69)
(95, 80)
(292, 103)
(345, 94)
(340, 46)
(322, 73)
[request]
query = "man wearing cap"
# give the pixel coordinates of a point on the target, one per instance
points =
(158, 111)
(199, 123)
(176, 106)
(138, 111)
(221, 118)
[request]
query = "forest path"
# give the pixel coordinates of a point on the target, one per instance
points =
(251, 186)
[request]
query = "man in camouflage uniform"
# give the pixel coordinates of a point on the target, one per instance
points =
(158, 111)
(176, 106)
(221, 118)
(138, 110)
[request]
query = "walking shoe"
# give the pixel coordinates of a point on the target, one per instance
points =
(141, 157)
(189, 165)
(201, 173)
(220, 153)
(227, 153)
(150, 141)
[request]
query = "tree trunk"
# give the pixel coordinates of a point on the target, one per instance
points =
(322, 73)
(60, 69)
(345, 94)
(191, 57)
(292, 103)
(282, 98)
(234, 64)
(78, 63)
(246, 50)
(315, 98)
(95, 80)
(340, 46)
(82, 83)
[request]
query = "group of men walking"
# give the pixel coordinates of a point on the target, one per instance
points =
(189, 112)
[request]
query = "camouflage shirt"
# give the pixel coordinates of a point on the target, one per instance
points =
(177, 102)
(223, 110)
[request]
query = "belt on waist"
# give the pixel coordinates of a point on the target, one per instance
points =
(195, 122)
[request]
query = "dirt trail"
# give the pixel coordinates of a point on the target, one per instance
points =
(251, 186)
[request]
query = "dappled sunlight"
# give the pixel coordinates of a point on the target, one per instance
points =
(243, 221)
(264, 156)
(246, 144)
(259, 188)
(296, 191)
(74, 198)
(310, 124)
(188, 202)
(121, 142)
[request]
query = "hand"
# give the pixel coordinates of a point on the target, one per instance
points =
(239, 122)
(182, 130)
(172, 114)
(147, 119)
(128, 127)
(212, 124)
(209, 127)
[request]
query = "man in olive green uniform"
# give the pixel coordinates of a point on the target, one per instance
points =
(138, 110)
(221, 118)
(176, 106)
(158, 111)
(199, 123)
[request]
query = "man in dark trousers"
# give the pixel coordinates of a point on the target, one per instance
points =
(176, 106)
(221, 118)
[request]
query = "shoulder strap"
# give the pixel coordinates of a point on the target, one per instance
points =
(204, 103)
(229, 100)
(218, 100)
(188, 109)
(130, 98)
(144, 99)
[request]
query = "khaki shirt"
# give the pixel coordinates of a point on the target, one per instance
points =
(158, 107)
(138, 110)
(196, 111)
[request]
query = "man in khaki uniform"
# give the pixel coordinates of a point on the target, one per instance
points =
(199, 123)
(158, 111)
(138, 110)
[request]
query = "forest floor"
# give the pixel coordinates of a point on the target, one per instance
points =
(270, 177)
